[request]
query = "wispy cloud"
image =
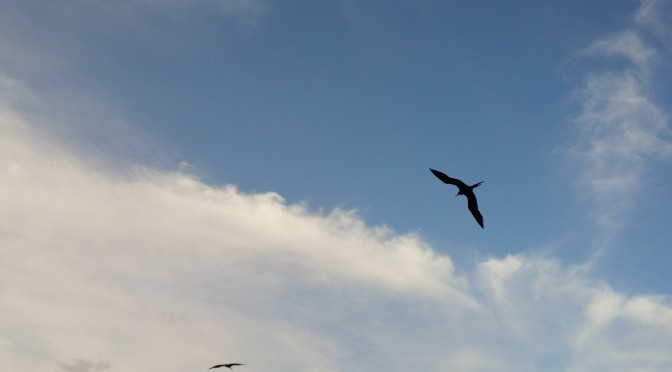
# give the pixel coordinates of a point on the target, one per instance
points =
(622, 131)
(64, 39)
(243, 10)
(656, 16)
(157, 270)
(233, 7)
(628, 44)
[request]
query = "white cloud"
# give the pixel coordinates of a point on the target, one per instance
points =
(153, 270)
(656, 16)
(627, 44)
(622, 131)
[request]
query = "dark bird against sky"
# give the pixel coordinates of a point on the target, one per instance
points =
(227, 365)
(465, 190)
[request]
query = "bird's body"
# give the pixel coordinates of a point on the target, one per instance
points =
(466, 190)
(227, 365)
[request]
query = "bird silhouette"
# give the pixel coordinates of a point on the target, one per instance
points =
(226, 365)
(465, 190)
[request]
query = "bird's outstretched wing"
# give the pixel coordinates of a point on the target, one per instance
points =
(226, 365)
(445, 179)
(473, 208)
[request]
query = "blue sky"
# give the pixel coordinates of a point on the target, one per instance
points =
(188, 183)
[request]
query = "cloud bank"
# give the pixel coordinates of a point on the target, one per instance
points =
(146, 269)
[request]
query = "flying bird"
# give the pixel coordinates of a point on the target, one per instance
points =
(465, 190)
(226, 365)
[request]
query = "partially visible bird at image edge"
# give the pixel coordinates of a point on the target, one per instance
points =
(226, 365)
(466, 190)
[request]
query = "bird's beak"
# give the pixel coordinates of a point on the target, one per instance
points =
(457, 194)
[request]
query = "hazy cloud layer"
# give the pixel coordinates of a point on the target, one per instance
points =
(103, 270)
